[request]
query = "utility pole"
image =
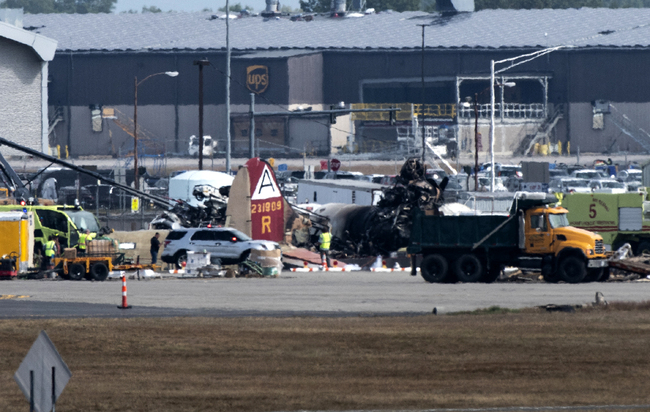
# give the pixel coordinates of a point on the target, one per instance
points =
(228, 149)
(201, 63)
(476, 141)
(251, 143)
(424, 146)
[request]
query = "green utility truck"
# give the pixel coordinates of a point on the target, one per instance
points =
(63, 221)
(618, 218)
(534, 236)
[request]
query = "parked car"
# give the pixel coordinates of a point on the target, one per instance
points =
(513, 183)
(374, 178)
(630, 175)
(388, 180)
(341, 175)
(588, 174)
(506, 171)
(228, 244)
(569, 185)
(558, 172)
(607, 186)
(193, 149)
(484, 183)
(436, 174)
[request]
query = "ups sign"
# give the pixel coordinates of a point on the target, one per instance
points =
(257, 78)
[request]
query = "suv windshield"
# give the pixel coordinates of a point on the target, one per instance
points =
(558, 220)
(240, 235)
(83, 220)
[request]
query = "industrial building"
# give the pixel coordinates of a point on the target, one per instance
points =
(24, 61)
(591, 93)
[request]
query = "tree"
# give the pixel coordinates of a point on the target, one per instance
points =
(151, 9)
(236, 8)
(60, 6)
(315, 6)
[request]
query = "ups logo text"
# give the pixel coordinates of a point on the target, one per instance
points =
(257, 78)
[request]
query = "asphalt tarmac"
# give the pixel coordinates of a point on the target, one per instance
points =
(330, 294)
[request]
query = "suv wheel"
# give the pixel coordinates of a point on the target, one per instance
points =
(244, 256)
(180, 259)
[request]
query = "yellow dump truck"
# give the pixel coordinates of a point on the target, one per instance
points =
(17, 240)
(533, 236)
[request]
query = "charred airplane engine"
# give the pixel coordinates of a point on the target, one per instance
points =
(385, 228)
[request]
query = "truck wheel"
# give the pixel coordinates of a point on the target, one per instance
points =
(594, 274)
(572, 269)
(99, 271)
(468, 268)
(605, 276)
(644, 247)
(434, 268)
(76, 271)
(549, 275)
(493, 273)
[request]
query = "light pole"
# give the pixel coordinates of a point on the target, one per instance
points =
(201, 63)
(476, 142)
(506, 84)
(514, 61)
(135, 122)
(424, 147)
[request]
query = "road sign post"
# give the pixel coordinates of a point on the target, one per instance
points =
(39, 372)
(335, 164)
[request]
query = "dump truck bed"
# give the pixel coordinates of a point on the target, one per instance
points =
(462, 232)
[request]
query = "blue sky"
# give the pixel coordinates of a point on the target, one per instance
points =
(193, 5)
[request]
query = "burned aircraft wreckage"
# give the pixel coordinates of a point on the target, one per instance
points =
(385, 228)
(357, 230)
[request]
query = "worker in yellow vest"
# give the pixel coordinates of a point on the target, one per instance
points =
(50, 252)
(83, 240)
(324, 241)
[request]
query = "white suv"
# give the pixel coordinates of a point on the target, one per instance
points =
(228, 244)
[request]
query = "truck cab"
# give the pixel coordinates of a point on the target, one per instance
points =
(63, 221)
(548, 233)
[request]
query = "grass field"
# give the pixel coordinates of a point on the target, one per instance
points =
(489, 359)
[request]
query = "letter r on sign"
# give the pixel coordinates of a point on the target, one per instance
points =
(266, 224)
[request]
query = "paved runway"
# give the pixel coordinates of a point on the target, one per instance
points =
(292, 294)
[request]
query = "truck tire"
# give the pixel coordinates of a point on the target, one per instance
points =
(549, 275)
(493, 273)
(572, 269)
(594, 274)
(605, 276)
(468, 268)
(644, 247)
(434, 268)
(76, 271)
(99, 271)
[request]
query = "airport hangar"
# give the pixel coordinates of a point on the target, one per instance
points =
(594, 94)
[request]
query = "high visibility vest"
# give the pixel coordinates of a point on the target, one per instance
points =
(90, 236)
(82, 241)
(49, 248)
(325, 239)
